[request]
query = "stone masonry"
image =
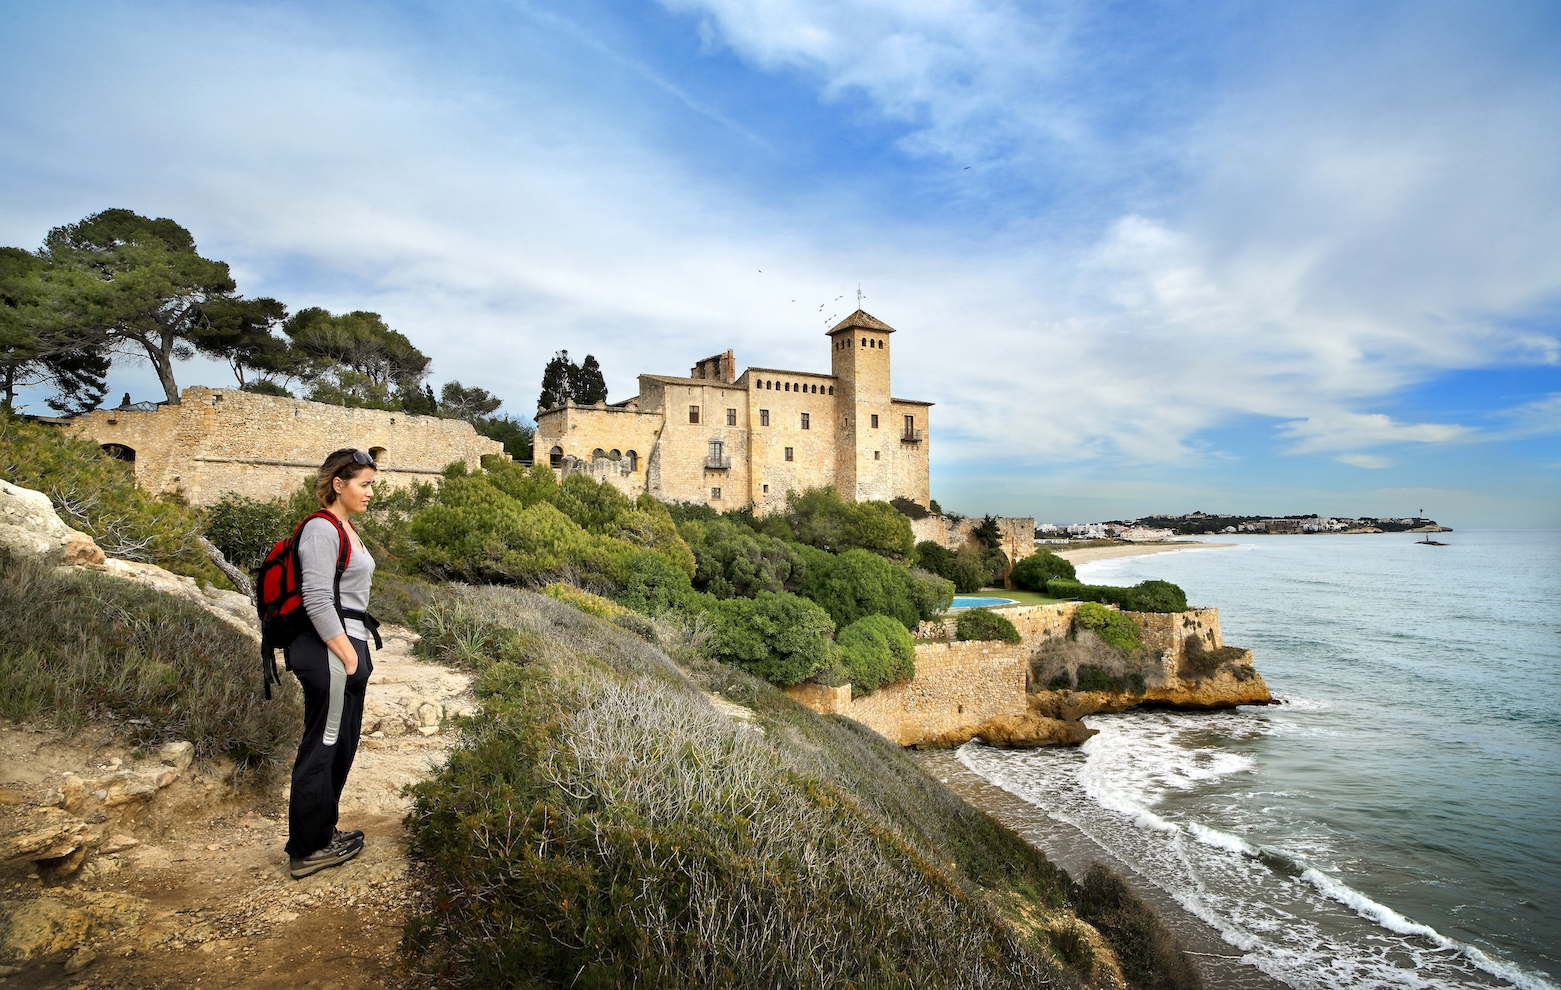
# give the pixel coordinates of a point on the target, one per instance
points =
(963, 684)
(730, 440)
(222, 440)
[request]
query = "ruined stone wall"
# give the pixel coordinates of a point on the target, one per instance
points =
(262, 446)
(579, 431)
(1169, 631)
(1018, 533)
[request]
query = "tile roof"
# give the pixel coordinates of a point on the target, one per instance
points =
(860, 320)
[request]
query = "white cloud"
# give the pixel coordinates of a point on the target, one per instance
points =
(1365, 460)
(1352, 431)
(1309, 254)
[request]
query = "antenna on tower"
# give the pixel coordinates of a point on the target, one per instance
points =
(859, 296)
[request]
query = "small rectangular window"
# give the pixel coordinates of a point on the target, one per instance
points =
(731, 417)
(693, 414)
(764, 417)
(804, 421)
(875, 421)
(766, 489)
(910, 426)
(788, 453)
(715, 493)
(875, 455)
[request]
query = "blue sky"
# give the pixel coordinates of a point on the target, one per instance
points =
(1145, 257)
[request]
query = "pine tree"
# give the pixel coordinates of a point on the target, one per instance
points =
(556, 381)
(589, 385)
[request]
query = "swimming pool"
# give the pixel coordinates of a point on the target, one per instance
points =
(977, 601)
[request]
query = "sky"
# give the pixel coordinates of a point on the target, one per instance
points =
(1144, 257)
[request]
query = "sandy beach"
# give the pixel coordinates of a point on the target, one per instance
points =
(1085, 555)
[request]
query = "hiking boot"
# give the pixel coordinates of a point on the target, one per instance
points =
(356, 835)
(334, 854)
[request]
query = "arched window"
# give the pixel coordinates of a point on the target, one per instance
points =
(615, 453)
(633, 460)
(555, 457)
(831, 390)
(788, 386)
(378, 453)
(120, 452)
(598, 454)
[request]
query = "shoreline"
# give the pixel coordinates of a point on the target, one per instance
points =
(1088, 555)
(1222, 965)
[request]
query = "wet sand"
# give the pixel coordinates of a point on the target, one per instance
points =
(1085, 555)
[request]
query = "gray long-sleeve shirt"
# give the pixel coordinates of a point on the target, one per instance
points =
(318, 546)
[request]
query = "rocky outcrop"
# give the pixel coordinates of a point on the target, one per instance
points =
(1027, 731)
(29, 527)
(229, 606)
(1231, 685)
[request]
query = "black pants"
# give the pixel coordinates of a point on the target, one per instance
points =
(333, 720)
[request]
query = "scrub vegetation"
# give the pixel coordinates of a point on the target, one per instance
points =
(605, 826)
(79, 648)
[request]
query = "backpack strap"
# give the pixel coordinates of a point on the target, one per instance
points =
(343, 558)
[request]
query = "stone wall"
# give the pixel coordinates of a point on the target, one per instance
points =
(956, 684)
(1018, 533)
(962, 684)
(263, 446)
(1169, 631)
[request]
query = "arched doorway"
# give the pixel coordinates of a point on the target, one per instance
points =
(120, 452)
(555, 457)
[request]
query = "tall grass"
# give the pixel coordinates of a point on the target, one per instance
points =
(83, 647)
(603, 825)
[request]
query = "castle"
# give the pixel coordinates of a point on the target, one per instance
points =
(730, 440)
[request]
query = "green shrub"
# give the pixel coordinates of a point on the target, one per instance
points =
(1200, 662)
(781, 638)
(1094, 678)
(733, 561)
(96, 494)
(1146, 596)
(876, 650)
(984, 624)
(245, 529)
(1111, 626)
(1060, 681)
(459, 631)
(857, 583)
(1034, 571)
(602, 608)
(83, 647)
(969, 569)
(820, 518)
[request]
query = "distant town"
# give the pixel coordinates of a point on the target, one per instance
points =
(1159, 527)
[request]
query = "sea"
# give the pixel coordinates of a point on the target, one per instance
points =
(1394, 821)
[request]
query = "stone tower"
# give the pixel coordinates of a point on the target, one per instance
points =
(865, 439)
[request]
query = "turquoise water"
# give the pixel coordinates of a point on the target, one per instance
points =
(1394, 823)
(976, 601)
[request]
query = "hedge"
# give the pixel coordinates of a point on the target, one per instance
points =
(1146, 596)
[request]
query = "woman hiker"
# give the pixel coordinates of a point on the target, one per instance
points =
(331, 661)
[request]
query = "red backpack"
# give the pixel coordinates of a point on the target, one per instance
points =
(279, 598)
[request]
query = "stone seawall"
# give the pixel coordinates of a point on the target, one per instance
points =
(956, 685)
(961, 687)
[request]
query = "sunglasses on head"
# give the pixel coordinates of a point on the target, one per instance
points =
(357, 455)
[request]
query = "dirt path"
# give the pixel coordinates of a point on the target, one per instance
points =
(167, 882)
